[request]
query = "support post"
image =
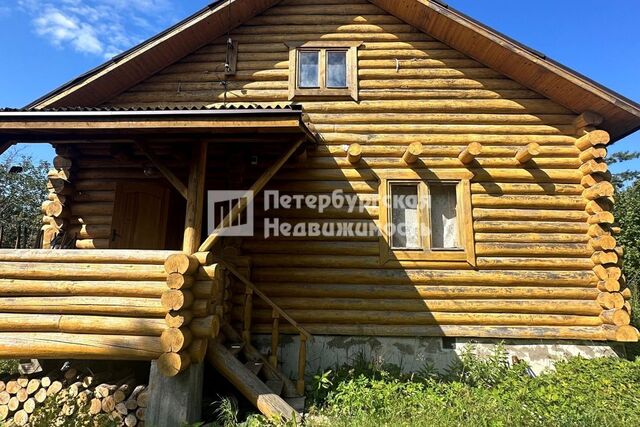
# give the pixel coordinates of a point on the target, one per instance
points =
(177, 400)
(195, 199)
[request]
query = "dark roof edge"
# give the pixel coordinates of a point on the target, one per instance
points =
(118, 57)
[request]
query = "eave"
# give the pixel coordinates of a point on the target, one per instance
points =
(159, 125)
(524, 65)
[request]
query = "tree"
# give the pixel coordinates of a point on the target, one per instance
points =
(627, 214)
(23, 189)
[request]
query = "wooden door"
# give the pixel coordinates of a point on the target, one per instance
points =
(140, 216)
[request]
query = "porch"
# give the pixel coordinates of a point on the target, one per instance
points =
(141, 291)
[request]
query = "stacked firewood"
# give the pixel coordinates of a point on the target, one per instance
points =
(119, 398)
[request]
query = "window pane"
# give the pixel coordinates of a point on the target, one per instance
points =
(405, 221)
(308, 69)
(444, 222)
(336, 69)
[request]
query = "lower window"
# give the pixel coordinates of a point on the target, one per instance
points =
(426, 219)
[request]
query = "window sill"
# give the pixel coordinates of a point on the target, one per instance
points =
(323, 93)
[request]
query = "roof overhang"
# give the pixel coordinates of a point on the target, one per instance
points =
(524, 65)
(160, 125)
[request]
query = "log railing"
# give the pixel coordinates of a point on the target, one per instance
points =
(277, 313)
(82, 304)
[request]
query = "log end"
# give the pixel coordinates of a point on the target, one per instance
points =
(171, 364)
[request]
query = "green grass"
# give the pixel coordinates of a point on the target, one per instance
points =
(598, 392)
(475, 392)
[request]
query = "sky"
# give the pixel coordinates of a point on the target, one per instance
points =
(45, 43)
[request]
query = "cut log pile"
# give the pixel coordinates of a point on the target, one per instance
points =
(194, 284)
(607, 256)
(56, 208)
(74, 390)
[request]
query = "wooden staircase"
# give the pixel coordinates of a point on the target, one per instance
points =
(254, 374)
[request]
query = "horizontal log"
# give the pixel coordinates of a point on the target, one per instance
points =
(364, 291)
(498, 263)
(593, 153)
(529, 226)
(181, 263)
(529, 201)
(318, 248)
(539, 249)
(605, 273)
(601, 218)
(113, 256)
(434, 318)
(593, 139)
(529, 214)
(625, 333)
(425, 277)
(615, 317)
(176, 300)
(605, 257)
(25, 345)
(504, 332)
(419, 306)
(106, 288)
(17, 322)
(603, 243)
(593, 167)
(204, 327)
(138, 307)
(610, 300)
(171, 364)
(80, 271)
(531, 237)
(601, 189)
(175, 340)
(178, 319)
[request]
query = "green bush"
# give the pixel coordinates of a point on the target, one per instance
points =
(481, 392)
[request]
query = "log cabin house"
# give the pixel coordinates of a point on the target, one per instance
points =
(377, 100)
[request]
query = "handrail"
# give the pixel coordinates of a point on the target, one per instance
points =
(265, 298)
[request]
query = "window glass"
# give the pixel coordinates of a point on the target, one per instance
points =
(405, 220)
(444, 224)
(337, 69)
(308, 69)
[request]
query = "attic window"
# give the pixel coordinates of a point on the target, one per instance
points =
(323, 69)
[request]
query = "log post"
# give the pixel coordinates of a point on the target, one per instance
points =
(469, 154)
(527, 153)
(177, 400)
(175, 382)
(413, 153)
(354, 153)
(195, 199)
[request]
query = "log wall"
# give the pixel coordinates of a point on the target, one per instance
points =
(538, 194)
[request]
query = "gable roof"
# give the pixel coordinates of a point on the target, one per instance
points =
(497, 51)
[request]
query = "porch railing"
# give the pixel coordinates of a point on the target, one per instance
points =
(277, 314)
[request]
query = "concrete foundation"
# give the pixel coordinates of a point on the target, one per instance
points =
(412, 354)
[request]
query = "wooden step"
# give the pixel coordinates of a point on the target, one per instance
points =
(254, 367)
(296, 403)
(235, 347)
(276, 385)
(270, 404)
